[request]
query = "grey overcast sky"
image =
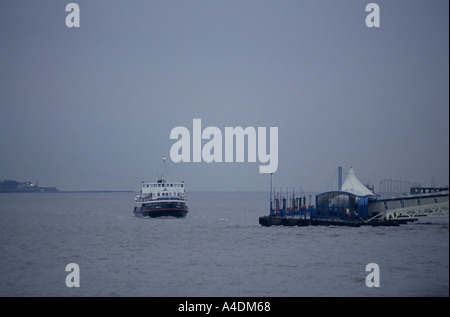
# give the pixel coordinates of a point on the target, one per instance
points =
(91, 108)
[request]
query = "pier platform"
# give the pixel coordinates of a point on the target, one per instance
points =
(268, 221)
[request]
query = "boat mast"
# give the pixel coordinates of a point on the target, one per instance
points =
(164, 169)
(270, 197)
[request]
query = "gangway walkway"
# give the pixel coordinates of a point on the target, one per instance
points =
(414, 212)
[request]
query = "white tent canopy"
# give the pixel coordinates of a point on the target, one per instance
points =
(354, 186)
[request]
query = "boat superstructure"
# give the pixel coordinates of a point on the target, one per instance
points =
(161, 199)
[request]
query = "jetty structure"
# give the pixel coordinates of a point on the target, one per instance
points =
(354, 205)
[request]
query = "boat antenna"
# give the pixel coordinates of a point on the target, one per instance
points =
(270, 195)
(164, 168)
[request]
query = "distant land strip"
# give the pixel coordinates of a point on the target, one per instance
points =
(96, 191)
(12, 186)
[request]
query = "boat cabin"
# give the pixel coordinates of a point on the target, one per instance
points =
(162, 189)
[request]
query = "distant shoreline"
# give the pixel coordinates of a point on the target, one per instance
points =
(66, 191)
(96, 191)
(129, 191)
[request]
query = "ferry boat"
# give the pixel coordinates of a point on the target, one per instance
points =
(161, 199)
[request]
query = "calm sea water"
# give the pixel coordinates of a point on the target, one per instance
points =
(219, 249)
